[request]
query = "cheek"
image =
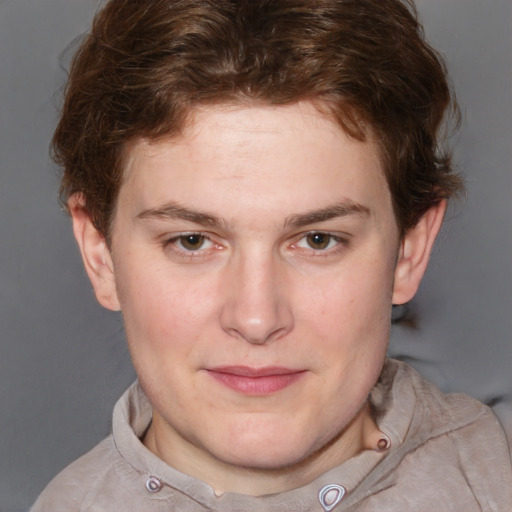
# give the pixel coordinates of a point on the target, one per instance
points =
(353, 301)
(163, 310)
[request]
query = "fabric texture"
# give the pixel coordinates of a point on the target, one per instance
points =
(448, 453)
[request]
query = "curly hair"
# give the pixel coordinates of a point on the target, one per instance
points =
(146, 64)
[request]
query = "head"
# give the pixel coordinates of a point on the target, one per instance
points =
(254, 184)
(142, 71)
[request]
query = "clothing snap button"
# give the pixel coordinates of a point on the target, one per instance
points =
(153, 484)
(330, 496)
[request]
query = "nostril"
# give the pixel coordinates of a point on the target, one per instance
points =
(259, 329)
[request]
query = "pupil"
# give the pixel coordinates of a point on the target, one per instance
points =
(318, 240)
(192, 241)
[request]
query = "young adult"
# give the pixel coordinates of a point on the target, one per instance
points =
(254, 184)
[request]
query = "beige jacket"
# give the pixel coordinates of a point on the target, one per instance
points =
(448, 453)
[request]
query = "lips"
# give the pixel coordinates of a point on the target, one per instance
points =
(256, 381)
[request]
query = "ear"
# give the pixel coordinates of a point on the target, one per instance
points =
(95, 253)
(414, 253)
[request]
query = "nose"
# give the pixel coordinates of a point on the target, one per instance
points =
(257, 308)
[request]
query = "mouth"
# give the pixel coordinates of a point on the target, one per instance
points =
(256, 381)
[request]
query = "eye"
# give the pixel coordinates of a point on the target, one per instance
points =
(192, 241)
(318, 241)
(189, 244)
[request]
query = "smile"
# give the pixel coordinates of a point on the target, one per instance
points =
(256, 381)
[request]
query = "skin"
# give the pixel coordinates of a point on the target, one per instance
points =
(262, 237)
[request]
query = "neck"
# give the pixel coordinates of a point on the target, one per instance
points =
(360, 434)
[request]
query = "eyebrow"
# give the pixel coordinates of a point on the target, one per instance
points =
(343, 209)
(172, 211)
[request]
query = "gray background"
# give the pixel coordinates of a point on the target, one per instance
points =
(63, 362)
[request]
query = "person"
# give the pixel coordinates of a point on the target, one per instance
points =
(254, 184)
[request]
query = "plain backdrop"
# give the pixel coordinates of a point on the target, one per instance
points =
(63, 361)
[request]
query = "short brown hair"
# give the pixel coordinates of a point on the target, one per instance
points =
(147, 63)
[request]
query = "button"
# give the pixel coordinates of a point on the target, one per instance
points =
(330, 496)
(383, 443)
(153, 484)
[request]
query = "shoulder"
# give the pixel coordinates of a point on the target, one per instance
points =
(72, 486)
(426, 409)
(465, 464)
(453, 449)
(470, 425)
(475, 446)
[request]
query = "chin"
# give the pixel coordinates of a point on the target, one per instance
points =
(266, 461)
(267, 450)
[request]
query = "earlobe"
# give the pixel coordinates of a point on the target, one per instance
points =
(414, 253)
(95, 254)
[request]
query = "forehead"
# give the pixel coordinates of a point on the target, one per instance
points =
(273, 157)
(227, 129)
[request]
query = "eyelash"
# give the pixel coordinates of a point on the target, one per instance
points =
(341, 243)
(177, 240)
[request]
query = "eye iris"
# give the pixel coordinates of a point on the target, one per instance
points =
(318, 240)
(192, 242)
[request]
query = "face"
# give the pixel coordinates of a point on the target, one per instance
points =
(254, 262)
